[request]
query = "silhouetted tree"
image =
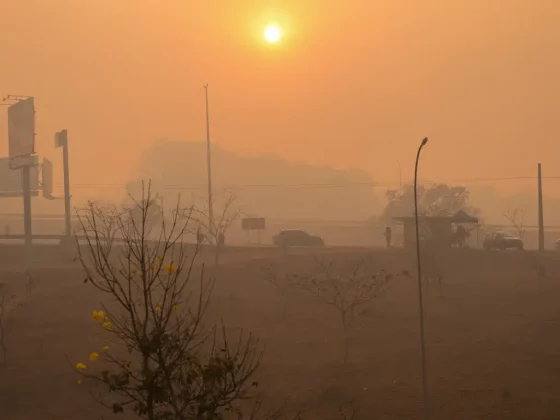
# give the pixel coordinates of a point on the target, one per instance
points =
(516, 217)
(162, 362)
(225, 213)
(434, 200)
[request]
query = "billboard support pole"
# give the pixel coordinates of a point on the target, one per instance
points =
(26, 171)
(21, 142)
(61, 140)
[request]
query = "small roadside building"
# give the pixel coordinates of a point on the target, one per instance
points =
(437, 230)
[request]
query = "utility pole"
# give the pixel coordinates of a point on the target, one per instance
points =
(26, 172)
(210, 210)
(541, 216)
(61, 140)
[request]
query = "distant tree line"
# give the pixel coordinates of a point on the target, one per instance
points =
(433, 200)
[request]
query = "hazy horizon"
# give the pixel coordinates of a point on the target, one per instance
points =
(351, 85)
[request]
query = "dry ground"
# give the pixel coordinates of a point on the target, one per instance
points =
(493, 340)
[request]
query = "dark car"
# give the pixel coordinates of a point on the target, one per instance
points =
(297, 238)
(502, 241)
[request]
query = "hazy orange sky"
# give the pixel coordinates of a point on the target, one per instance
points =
(353, 83)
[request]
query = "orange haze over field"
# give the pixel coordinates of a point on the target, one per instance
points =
(351, 84)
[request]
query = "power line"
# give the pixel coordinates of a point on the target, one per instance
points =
(313, 185)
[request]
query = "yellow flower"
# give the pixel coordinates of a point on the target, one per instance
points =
(80, 381)
(160, 259)
(98, 316)
(107, 325)
(93, 356)
(176, 307)
(105, 348)
(80, 366)
(121, 335)
(170, 268)
(158, 309)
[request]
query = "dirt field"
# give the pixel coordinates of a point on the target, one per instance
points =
(493, 346)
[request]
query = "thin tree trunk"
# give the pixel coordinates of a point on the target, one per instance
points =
(345, 332)
(217, 254)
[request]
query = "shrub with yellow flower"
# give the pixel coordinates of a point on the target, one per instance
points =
(98, 316)
(153, 335)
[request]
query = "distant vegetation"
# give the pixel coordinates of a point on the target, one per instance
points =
(433, 200)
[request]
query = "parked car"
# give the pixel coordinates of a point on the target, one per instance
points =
(297, 238)
(502, 241)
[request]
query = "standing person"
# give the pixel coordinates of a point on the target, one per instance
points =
(388, 235)
(199, 236)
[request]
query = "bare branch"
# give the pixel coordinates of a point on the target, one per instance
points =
(177, 368)
(516, 217)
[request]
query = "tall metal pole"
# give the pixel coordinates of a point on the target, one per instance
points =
(208, 156)
(67, 198)
(420, 298)
(26, 172)
(541, 216)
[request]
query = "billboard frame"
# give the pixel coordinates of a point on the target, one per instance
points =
(11, 180)
(47, 171)
(21, 131)
(253, 223)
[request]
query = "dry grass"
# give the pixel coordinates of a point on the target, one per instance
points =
(493, 342)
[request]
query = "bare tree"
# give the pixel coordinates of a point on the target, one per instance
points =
(516, 217)
(101, 219)
(225, 214)
(347, 293)
(165, 364)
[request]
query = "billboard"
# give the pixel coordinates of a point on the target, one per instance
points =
(11, 180)
(47, 177)
(21, 128)
(253, 223)
(61, 138)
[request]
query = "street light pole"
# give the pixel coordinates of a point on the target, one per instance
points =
(400, 174)
(420, 298)
(210, 210)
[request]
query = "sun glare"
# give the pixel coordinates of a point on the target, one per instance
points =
(272, 34)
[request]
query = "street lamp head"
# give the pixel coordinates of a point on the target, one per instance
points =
(424, 141)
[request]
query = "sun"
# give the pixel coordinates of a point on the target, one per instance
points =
(272, 34)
